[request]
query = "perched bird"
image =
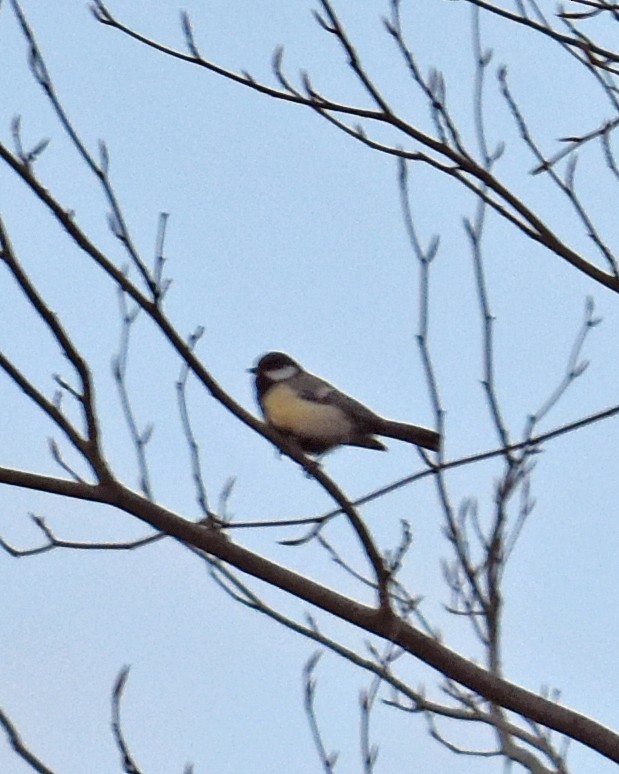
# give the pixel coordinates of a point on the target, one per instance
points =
(316, 416)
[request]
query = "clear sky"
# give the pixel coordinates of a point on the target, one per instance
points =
(286, 234)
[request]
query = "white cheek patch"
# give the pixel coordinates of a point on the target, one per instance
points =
(279, 374)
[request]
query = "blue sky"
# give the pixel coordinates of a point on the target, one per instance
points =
(285, 234)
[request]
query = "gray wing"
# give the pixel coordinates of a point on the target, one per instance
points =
(364, 422)
(317, 390)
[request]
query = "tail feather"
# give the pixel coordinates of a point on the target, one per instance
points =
(420, 436)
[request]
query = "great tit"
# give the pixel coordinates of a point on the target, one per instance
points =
(315, 415)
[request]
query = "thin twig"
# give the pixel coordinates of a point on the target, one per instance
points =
(100, 171)
(327, 760)
(127, 761)
(194, 449)
(139, 438)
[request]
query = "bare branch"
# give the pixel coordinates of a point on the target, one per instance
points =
(574, 369)
(20, 748)
(53, 542)
(194, 449)
(327, 760)
(565, 186)
(42, 76)
(128, 763)
(89, 447)
(379, 621)
(453, 161)
(543, 28)
(139, 438)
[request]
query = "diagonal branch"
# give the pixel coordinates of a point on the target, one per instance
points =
(119, 225)
(544, 29)
(380, 621)
(89, 447)
(20, 748)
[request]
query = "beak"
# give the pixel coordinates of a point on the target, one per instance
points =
(252, 370)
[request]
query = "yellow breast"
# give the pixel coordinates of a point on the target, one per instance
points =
(286, 411)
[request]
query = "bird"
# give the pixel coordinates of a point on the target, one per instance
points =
(317, 417)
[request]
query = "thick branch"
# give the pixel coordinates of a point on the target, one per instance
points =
(379, 621)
